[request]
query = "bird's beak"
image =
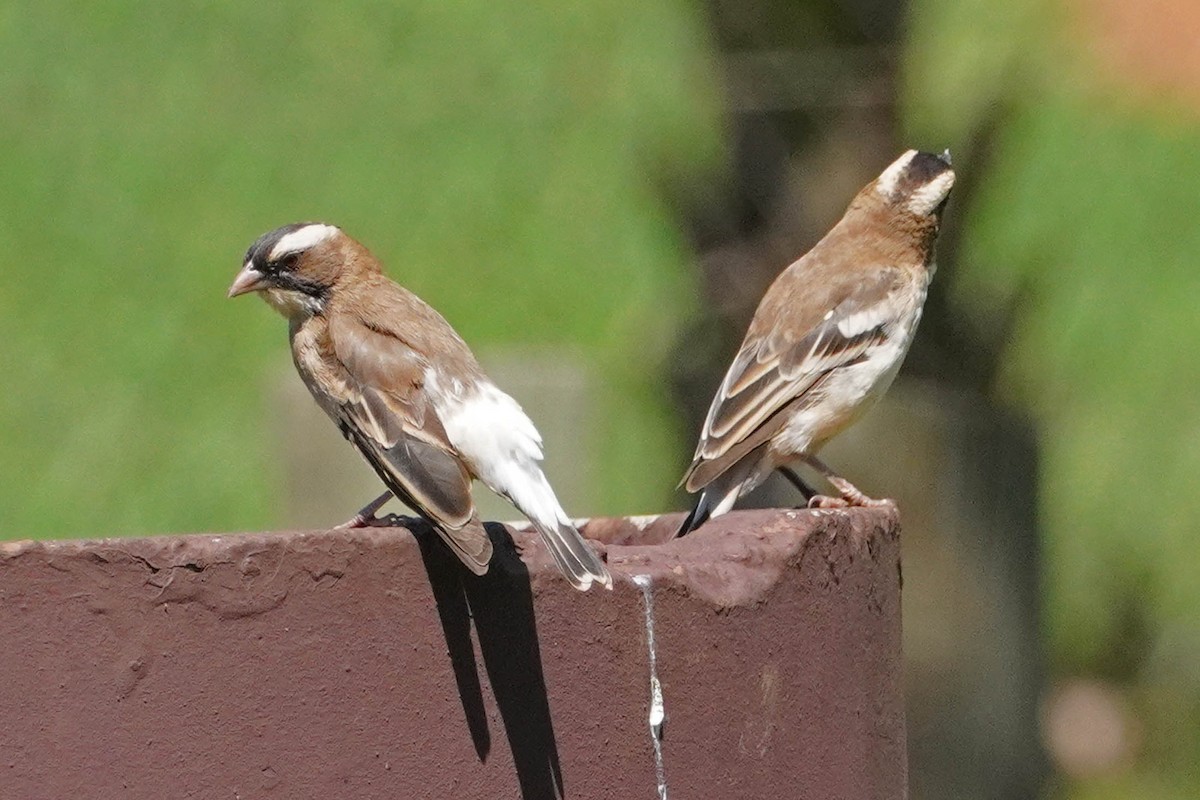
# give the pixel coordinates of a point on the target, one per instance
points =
(248, 280)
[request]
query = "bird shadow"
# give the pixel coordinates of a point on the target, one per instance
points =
(501, 604)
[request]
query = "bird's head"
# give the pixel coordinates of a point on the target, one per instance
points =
(296, 267)
(916, 184)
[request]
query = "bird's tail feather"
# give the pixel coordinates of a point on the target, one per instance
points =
(697, 516)
(715, 499)
(577, 562)
(470, 543)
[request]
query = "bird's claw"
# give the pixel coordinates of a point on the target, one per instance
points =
(859, 500)
(825, 501)
(357, 521)
(873, 502)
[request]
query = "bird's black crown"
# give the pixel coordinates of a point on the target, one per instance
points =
(924, 167)
(263, 245)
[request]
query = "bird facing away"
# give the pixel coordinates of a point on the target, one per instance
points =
(825, 342)
(406, 391)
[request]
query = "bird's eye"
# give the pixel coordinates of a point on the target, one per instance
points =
(282, 264)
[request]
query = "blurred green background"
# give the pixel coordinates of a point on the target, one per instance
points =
(497, 159)
(544, 174)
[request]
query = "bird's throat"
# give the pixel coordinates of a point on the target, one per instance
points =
(293, 305)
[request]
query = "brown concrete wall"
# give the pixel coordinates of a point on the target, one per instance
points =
(367, 664)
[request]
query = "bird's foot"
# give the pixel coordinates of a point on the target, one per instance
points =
(400, 521)
(853, 496)
(875, 502)
(825, 501)
(357, 521)
(857, 499)
(366, 515)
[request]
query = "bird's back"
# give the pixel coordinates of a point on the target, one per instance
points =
(386, 307)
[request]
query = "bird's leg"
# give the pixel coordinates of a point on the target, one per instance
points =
(807, 491)
(367, 515)
(851, 494)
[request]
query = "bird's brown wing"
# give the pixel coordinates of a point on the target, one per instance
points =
(784, 368)
(388, 416)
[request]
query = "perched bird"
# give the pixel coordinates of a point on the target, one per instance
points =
(406, 391)
(825, 342)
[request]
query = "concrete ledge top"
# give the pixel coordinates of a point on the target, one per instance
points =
(731, 561)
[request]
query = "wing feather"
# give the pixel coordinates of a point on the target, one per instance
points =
(395, 426)
(783, 370)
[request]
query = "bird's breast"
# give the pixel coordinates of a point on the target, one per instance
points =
(848, 392)
(323, 376)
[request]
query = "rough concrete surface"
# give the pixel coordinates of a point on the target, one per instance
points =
(368, 664)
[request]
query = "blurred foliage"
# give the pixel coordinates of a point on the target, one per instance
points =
(495, 157)
(1080, 262)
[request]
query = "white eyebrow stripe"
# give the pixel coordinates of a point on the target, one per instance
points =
(887, 182)
(302, 239)
(926, 199)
